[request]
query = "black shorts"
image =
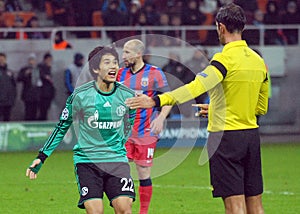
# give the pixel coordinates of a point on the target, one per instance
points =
(235, 163)
(112, 178)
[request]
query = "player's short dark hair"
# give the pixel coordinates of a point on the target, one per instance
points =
(3, 54)
(233, 17)
(96, 55)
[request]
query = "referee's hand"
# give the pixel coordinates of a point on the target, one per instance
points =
(203, 112)
(33, 169)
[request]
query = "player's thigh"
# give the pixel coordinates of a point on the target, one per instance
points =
(144, 150)
(253, 170)
(90, 182)
(130, 149)
(119, 182)
(226, 165)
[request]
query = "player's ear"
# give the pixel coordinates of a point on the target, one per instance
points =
(96, 71)
(222, 27)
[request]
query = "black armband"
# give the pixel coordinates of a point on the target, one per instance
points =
(42, 156)
(156, 100)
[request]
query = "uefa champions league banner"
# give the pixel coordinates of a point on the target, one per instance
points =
(29, 136)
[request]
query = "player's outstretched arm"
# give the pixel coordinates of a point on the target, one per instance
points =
(140, 101)
(34, 168)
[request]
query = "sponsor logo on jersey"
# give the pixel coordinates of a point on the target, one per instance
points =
(65, 114)
(95, 124)
(107, 104)
(145, 81)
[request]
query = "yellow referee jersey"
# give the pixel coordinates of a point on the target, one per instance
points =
(237, 83)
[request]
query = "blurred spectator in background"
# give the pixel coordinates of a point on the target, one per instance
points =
(252, 36)
(60, 43)
(19, 23)
(173, 6)
(208, 6)
(249, 6)
(291, 16)
(195, 65)
(34, 23)
(176, 34)
(30, 77)
(47, 90)
(191, 15)
(113, 17)
(82, 14)
(164, 20)
(13, 5)
(152, 15)
(175, 73)
(38, 4)
(59, 10)
(134, 13)
(2, 18)
(8, 90)
(73, 71)
(273, 17)
(121, 6)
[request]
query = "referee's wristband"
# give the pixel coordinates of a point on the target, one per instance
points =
(156, 100)
(42, 156)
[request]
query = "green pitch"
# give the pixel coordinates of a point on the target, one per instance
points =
(184, 189)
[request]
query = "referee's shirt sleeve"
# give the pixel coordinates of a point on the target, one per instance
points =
(263, 98)
(203, 82)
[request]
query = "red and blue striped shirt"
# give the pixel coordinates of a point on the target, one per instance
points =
(149, 80)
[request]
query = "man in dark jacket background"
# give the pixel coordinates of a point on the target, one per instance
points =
(8, 90)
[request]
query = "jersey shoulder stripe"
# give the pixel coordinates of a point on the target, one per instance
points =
(125, 88)
(80, 89)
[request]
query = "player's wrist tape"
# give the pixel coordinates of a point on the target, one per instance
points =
(37, 168)
(42, 156)
(157, 101)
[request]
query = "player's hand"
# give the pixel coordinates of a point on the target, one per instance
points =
(140, 101)
(33, 169)
(203, 110)
(157, 124)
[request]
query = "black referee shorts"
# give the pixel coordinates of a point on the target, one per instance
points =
(112, 178)
(235, 163)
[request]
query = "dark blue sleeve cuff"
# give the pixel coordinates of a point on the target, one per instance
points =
(157, 101)
(42, 157)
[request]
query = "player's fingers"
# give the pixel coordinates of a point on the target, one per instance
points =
(27, 172)
(199, 105)
(32, 175)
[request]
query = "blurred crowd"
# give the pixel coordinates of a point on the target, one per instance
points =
(159, 13)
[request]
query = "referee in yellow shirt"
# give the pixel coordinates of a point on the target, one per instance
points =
(237, 83)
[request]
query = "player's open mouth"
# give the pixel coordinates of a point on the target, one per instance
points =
(112, 74)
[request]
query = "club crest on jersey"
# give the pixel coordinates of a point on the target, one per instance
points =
(121, 111)
(65, 114)
(145, 81)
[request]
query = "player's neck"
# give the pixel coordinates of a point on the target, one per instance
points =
(105, 86)
(233, 37)
(137, 66)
